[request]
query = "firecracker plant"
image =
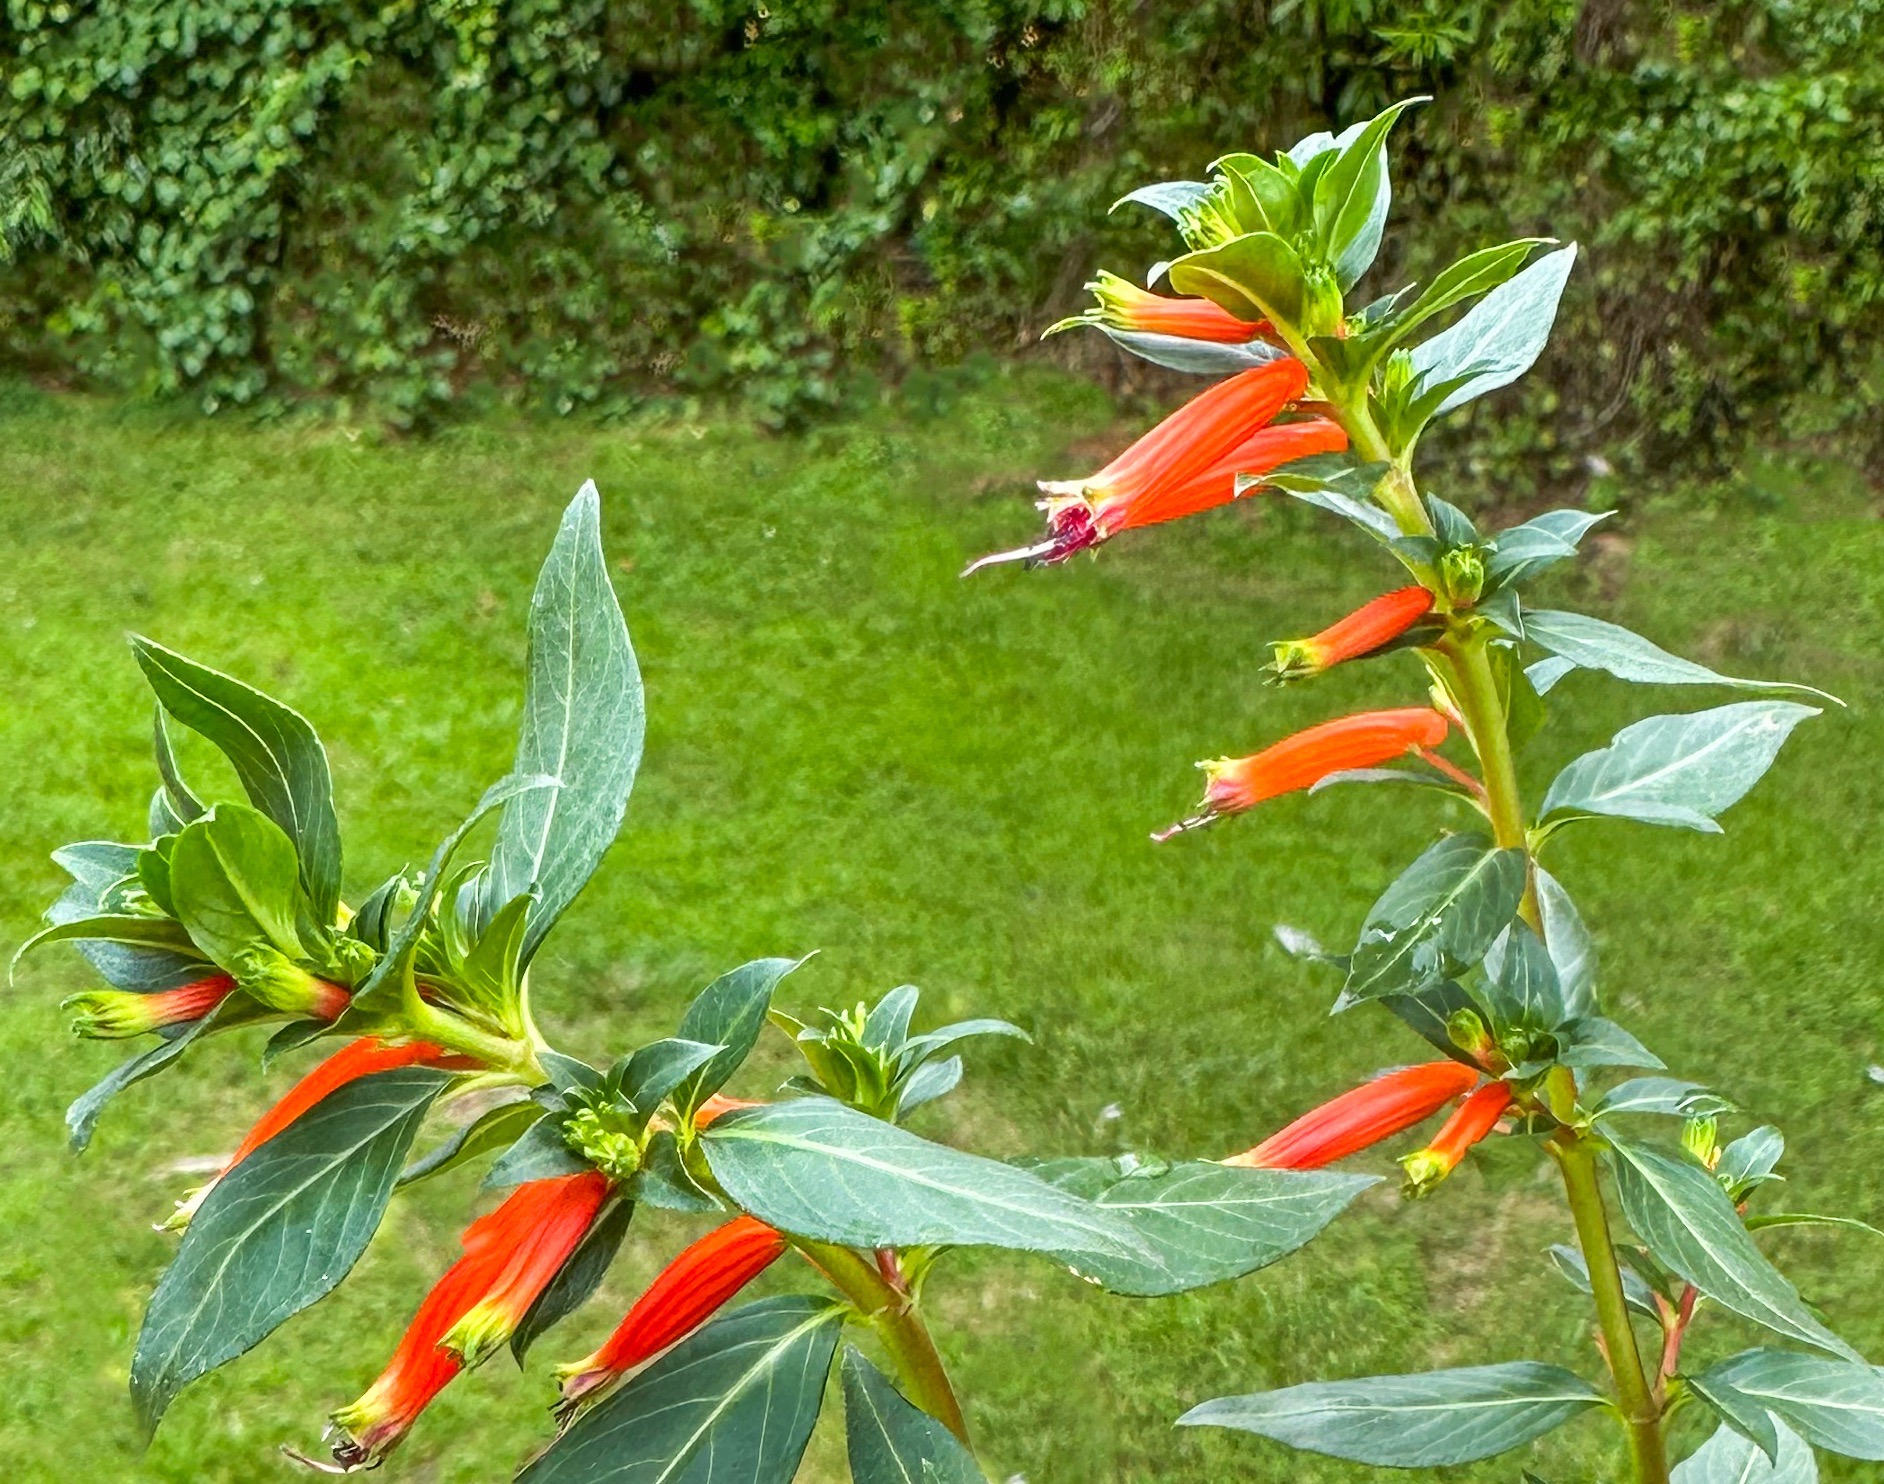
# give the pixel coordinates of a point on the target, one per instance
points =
(1476, 947)
(413, 1005)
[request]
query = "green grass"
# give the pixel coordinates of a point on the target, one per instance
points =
(931, 781)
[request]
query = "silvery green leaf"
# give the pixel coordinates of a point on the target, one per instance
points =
(892, 1441)
(1545, 673)
(1592, 1041)
(1197, 357)
(1521, 552)
(1432, 1420)
(729, 1013)
(928, 1082)
(1521, 989)
(733, 1403)
(1750, 1159)
(539, 1153)
(1593, 644)
(1766, 1220)
(1678, 770)
(1668, 1095)
(1172, 197)
(494, 1128)
(1834, 1404)
(1742, 1413)
(1685, 1219)
(1500, 337)
(1572, 949)
(1438, 918)
(1636, 1293)
(583, 721)
(1730, 1458)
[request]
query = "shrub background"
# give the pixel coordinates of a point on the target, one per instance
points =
(419, 208)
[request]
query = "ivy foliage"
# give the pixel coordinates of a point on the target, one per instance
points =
(566, 202)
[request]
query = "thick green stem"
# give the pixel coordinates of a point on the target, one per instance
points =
(1482, 709)
(1641, 1416)
(893, 1315)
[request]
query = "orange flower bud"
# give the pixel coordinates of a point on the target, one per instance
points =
(1123, 305)
(1303, 760)
(1369, 628)
(1356, 1120)
(114, 1014)
(354, 1060)
(1183, 451)
(1474, 1119)
(687, 1293)
(509, 1258)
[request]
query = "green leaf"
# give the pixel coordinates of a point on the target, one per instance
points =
(729, 1012)
(1592, 1041)
(237, 885)
(276, 755)
(495, 1128)
(1767, 1220)
(1592, 644)
(1194, 357)
(1668, 1095)
(1677, 770)
(1335, 482)
(892, 1441)
(1254, 277)
(179, 801)
(817, 1168)
(583, 720)
(279, 1231)
(1684, 1218)
(734, 1403)
(661, 1066)
(1739, 1411)
(1500, 337)
(1521, 989)
(922, 1047)
(577, 1279)
(1750, 1160)
(1729, 1458)
(1438, 918)
(540, 1153)
(1202, 1223)
(1522, 551)
(927, 1083)
(133, 931)
(1351, 196)
(1636, 1294)
(1172, 197)
(1834, 1404)
(1572, 949)
(1475, 273)
(1432, 1420)
(82, 1117)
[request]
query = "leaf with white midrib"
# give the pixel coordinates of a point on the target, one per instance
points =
(1431, 1420)
(1834, 1404)
(1594, 644)
(1685, 1219)
(733, 1403)
(1729, 1458)
(299, 1211)
(820, 1169)
(890, 1440)
(1442, 912)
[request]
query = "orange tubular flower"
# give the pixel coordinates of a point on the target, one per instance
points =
(715, 1106)
(1476, 1117)
(1303, 760)
(509, 1258)
(114, 1014)
(687, 1293)
(354, 1060)
(1356, 1120)
(1367, 629)
(1123, 305)
(1186, 446)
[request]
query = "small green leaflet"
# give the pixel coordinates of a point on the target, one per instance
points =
(1257, 276)
(734, 1403)
(729, 1013)
(1439, 917)
(1203, 1223)
(1431, 1420)
(1685, 1219)
(817, 1168)
(275, 752)
(1677, 770)
(1520, 552)
(236, 885)
(1729, 1458)
(583, 721)
(1636, 1294)
(279, 1231)
(1501, 336)
(1834, 1404)
(1591, 644)
(892, 1441)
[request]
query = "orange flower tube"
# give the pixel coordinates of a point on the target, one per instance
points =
(1475, 1118)
(1187, 444)
(1368, 628)
(114, 1014)
(1266, 449)
(509, 1257)
(1303, 760)
(687, 1293)
(1361, 1118)
(356, 1059)
(715, 1106)
(1123, 305)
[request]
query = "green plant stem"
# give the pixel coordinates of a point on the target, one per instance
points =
(1483, 711)
(1641, 1416)
(455, 1033)
(894, 1317)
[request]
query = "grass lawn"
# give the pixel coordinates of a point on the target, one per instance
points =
(929, 781)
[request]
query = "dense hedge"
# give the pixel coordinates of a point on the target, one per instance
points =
(571, 201)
